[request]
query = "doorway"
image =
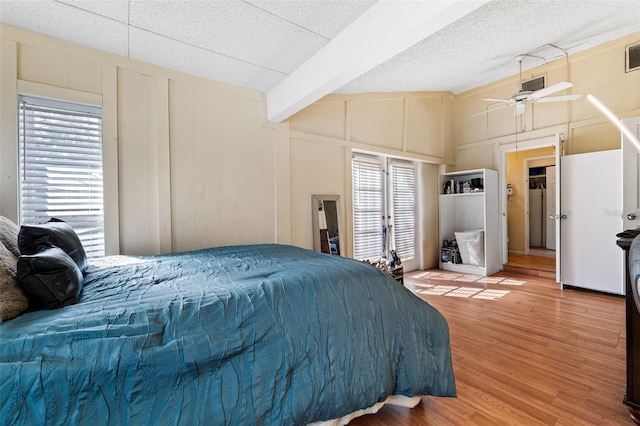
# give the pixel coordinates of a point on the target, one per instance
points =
(539, 206)
(514, 162)
(384, 199)
(530, 232)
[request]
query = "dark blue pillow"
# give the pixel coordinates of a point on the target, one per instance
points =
(50, 278)
(33, 238)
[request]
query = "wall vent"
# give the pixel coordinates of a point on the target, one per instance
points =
(533, 84)
(633, 57)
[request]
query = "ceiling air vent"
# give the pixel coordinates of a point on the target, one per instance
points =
(633, 57)
(533, 84)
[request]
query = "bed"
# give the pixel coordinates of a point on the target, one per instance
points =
(243, 335)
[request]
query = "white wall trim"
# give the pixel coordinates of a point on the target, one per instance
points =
(364, 148)
(500, 159)
(58, 93)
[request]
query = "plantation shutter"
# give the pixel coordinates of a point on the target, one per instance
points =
(368, 175)
(403, 202)
(61, 167)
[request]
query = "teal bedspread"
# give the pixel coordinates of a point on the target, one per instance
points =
(242, 335)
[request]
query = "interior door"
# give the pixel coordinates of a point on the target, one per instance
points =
(558, 211)
(551, 208)
(591, 216)
(631, 178)
(536, 215)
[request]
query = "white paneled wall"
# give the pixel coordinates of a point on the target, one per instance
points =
(189, 163)
(222, 169)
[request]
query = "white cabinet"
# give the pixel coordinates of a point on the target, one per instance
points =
(469, 202)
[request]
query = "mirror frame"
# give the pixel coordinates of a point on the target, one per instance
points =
(315, 199)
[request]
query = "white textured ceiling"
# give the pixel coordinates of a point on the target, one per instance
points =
(481, 47)
(257, 44)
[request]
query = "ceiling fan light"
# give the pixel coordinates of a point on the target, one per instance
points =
(519, 110)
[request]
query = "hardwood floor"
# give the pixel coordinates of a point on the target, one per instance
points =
(534, 355)
(542, 266)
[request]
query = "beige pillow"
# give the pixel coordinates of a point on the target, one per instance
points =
(9, 235)
(13, 301)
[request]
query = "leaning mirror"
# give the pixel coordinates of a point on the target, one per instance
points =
(326, 223)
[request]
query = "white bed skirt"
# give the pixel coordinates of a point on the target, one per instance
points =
(401, 400)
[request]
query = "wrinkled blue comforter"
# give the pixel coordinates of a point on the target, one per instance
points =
(244, 335)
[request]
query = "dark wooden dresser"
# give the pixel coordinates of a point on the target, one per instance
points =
(632, 394)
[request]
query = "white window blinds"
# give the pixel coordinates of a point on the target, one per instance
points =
(386, 201)
(61, 167)
(368, 176)
(403, 202)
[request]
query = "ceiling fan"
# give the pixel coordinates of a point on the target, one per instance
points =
(521, 98)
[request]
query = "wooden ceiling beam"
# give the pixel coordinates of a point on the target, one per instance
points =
(386, 29)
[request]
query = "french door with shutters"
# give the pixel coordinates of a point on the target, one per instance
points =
(384, 209)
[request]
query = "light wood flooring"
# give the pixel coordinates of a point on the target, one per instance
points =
(532, 264)
(533, 355)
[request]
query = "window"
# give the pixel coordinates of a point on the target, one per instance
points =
(384, 207)
(60, 156)
(368, 177)
(403, 208)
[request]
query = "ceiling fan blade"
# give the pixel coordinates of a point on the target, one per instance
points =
(498, 100)
(559, 98)
(490, 110)
(550, 90)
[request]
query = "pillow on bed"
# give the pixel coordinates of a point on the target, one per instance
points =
(33, 238)
(50, 278)
(471, 246)
(13, 301)
(9, 235)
